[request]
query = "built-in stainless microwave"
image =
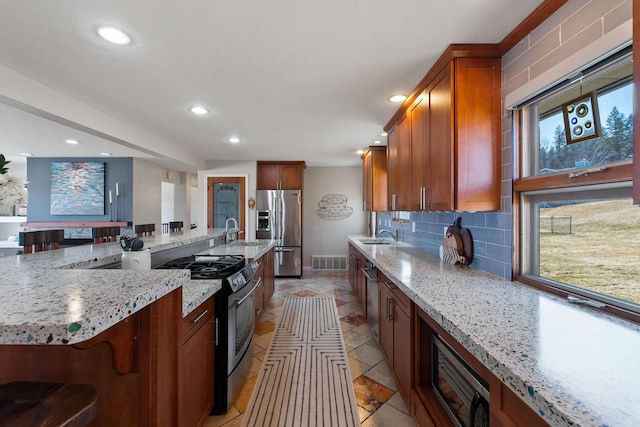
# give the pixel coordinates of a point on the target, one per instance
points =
(463, 393)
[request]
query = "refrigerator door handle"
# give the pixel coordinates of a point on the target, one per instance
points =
(284, 250)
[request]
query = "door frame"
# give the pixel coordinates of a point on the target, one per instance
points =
(242, 181)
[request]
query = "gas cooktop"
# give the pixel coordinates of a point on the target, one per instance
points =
(207, 266)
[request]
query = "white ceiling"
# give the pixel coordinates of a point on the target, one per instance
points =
(293, 79)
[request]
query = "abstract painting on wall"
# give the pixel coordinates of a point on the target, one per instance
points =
(77, 188)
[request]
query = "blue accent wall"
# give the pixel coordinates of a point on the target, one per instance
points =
(491, 232)
(118, 170)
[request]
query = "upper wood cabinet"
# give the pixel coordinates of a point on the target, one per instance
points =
(374, 177)
(284, 175)
(444, 143)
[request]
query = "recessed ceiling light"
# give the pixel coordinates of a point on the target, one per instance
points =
(114, 35)
(359, 152)
(26, 154)
(397, 98)
(72, 141)
(377, 142)
(105, 154)
(199, 110)
(234, 140)
(383, 134)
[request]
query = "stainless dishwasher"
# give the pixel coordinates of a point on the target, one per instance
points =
(373, 315)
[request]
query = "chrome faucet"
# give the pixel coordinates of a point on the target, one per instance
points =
(394, 233)
(229, 233)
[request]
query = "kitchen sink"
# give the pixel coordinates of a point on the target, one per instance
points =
(246, 243)
(375, 241)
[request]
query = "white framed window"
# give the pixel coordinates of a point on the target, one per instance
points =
(578, 232)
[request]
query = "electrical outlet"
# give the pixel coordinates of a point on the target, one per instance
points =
(413, 227)
(211, 243)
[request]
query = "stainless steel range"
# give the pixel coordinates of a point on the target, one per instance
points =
(234, 312)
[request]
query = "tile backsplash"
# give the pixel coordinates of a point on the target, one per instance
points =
(491, 232)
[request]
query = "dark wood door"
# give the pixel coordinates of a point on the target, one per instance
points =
(214, 186)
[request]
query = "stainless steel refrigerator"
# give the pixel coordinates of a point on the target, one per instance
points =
(280, 218)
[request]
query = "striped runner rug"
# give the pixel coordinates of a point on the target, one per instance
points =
(305, 379)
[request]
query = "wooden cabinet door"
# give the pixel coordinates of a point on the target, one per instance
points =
(269, 276)
(268, 176)
(392, 165)
(367, 180)
(386, 326)
(402, 351)
(398, 163)
(477, 106)
(280, 175)
(403, 180)
(440, 128)
(419, 152)
(291, 177)
(374, 179)
(196, 384)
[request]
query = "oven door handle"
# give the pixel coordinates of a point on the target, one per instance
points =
(244, 298)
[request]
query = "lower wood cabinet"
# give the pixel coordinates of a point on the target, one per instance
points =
(357, 279)
(266, 287)
(396, 333)
(196, 366)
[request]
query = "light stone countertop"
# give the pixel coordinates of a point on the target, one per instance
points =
(573, 365)
(63, 297)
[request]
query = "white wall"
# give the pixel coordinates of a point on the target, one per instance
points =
(147, 194)
(329, 237)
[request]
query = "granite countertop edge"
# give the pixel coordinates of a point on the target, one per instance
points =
(62, 275)
(513, 368)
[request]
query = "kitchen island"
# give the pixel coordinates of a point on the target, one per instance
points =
(65, 319)
(570, 364)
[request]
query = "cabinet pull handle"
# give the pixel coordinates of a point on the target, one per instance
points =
(216, 332)
(393, 202)
(200, 316)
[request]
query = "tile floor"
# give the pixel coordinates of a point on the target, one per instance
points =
(379, 403)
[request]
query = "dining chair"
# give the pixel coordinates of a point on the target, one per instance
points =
(40, 240)
(105, 234)
(142, 230)
(176, 226)
(47, 404)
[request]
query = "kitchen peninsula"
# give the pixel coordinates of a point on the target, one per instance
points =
(64, 318)
(570, 364)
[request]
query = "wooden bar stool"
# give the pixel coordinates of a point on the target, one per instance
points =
(142, 230)
(44, 404)
(40, 240)
(105, 234)
(175, 226)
